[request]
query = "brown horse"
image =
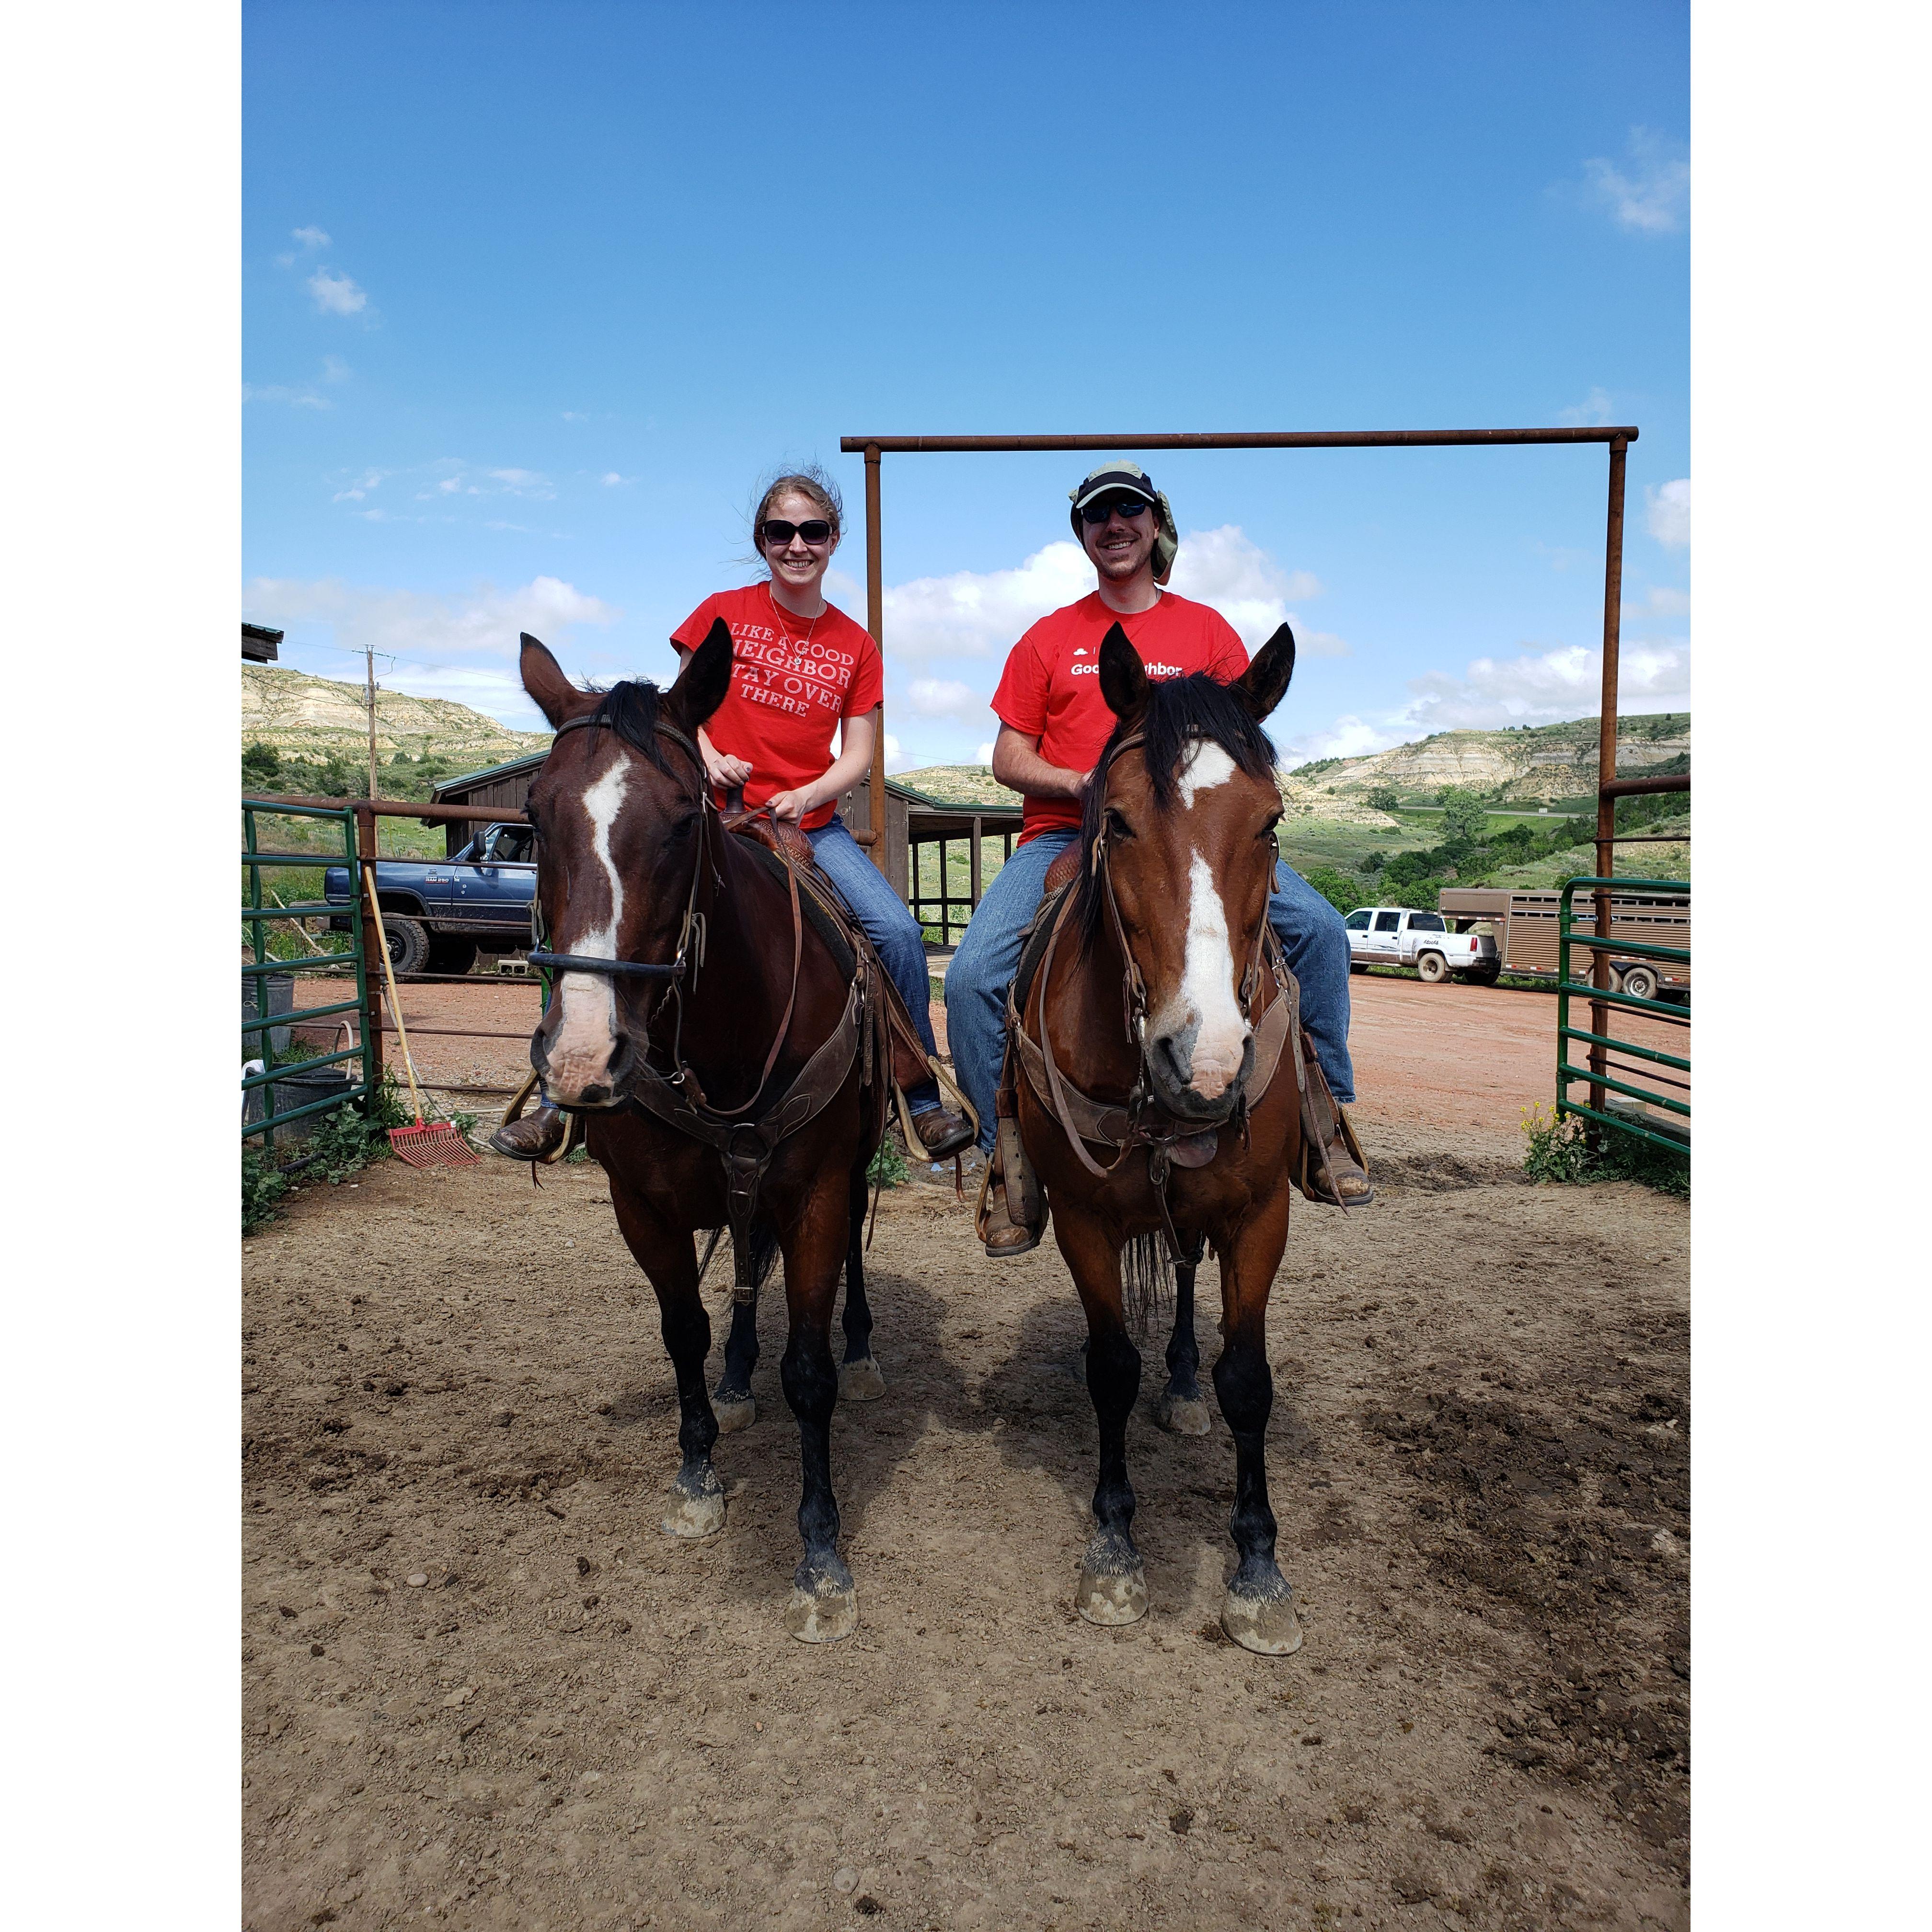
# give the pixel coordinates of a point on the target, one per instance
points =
(698, 1023)
(1159, 1100)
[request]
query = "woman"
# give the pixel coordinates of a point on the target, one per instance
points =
(800, 666)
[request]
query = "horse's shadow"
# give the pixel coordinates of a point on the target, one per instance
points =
(759, 1464)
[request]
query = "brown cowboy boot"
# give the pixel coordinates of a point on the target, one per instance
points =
(536, 1137)
(1327, 1125)
(1003, 1232)
(942, 1132)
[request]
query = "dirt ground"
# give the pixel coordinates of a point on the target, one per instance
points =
(482, 1689)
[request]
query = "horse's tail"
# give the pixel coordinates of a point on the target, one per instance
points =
(1147, 1281)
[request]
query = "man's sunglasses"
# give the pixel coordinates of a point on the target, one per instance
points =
(1095, 514)
(776, 530)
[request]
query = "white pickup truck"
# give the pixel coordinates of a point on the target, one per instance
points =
(1395, 936)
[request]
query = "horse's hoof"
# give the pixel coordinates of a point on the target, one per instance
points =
(824, 1606)
(694, 1506)
(734, 1411)
(1113, 1585)
(1182, 1415)
(1266, 1625)
(860, 1382)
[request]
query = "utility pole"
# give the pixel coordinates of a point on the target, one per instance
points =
(370, 659)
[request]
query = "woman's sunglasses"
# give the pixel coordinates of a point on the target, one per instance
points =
(776, 530)
(1097, 514)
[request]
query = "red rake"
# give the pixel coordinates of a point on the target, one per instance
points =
(429, 1143)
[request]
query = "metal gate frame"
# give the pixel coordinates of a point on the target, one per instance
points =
(259, 919)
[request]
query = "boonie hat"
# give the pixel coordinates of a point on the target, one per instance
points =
(1117, 476)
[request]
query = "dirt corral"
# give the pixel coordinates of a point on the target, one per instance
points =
(481, 1688)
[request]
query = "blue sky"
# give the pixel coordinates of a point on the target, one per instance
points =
(532, 296)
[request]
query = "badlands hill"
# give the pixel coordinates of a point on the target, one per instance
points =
(310, 718)
(1536, 764)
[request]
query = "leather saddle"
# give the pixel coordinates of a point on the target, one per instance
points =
(837, 925)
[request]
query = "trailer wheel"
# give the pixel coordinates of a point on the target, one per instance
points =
(1640, 982)
(409, 943)
(1432, 966)
(1484, 976)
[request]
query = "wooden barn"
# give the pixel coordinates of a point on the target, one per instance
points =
(920, 833)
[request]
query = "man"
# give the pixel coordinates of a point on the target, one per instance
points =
(1053, 724)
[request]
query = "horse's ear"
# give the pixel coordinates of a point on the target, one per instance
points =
(1264, 683)
(552, 692)
(1123, 678)
(703, 683)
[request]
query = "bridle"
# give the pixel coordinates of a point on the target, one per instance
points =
(1148, 1124)
(688, 960)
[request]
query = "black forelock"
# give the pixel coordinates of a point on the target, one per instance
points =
(631, 710)
(1179, 709)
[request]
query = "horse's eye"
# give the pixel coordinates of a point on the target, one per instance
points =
(683, 828)
(1267, 830)
(1117, 827)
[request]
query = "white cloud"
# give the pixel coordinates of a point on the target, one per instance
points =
(610, 479)
(337, 294)
(334, 370)
(1593, 408)
(896, 760)
(462, 646)
(943, 698)
(984, 755)
(1665, 602)
(462, 480)
(983, 614)
(1650, 193)
(1226, 568)
(301, 397)
(309, 237)
(576, 416)
(1667, 514)
(356, 491)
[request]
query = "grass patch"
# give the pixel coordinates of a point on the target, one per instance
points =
(342, 1142)
(1560, 1150)
(888, 1167)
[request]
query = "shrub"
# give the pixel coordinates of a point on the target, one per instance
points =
(1559, 1150)
(261, 1187)
(1384, 798)
(1337, 888)
(888, 1167)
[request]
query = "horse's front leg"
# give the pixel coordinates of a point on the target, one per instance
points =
(860, 1378)
(695, 1505)
(1183, 1409)
(1113, 1585)
(824, 1606)
(1258, 1613)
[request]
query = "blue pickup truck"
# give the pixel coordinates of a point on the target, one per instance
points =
(439, 913)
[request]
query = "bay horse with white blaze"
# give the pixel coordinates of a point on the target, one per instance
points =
(699, 1021)
(1150, 1042)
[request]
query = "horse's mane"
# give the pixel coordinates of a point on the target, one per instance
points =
(631, 710)
(1178, 710)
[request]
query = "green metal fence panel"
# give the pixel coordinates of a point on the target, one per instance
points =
(1569, 988)
(260, 920)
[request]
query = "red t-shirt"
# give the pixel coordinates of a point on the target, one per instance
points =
(1050, 687)
(793, 679)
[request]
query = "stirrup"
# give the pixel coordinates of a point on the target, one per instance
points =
(990, 1218)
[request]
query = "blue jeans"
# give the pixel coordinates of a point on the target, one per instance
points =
(1310, 929)
(893, 932)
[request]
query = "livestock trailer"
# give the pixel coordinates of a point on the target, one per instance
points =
(1526, 927)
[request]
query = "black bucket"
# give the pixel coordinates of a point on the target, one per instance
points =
(302, 1090)
(278, 989)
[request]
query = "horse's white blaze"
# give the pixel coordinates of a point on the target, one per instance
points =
(1204, 1005)
(586, 1032)
(1206, 766)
